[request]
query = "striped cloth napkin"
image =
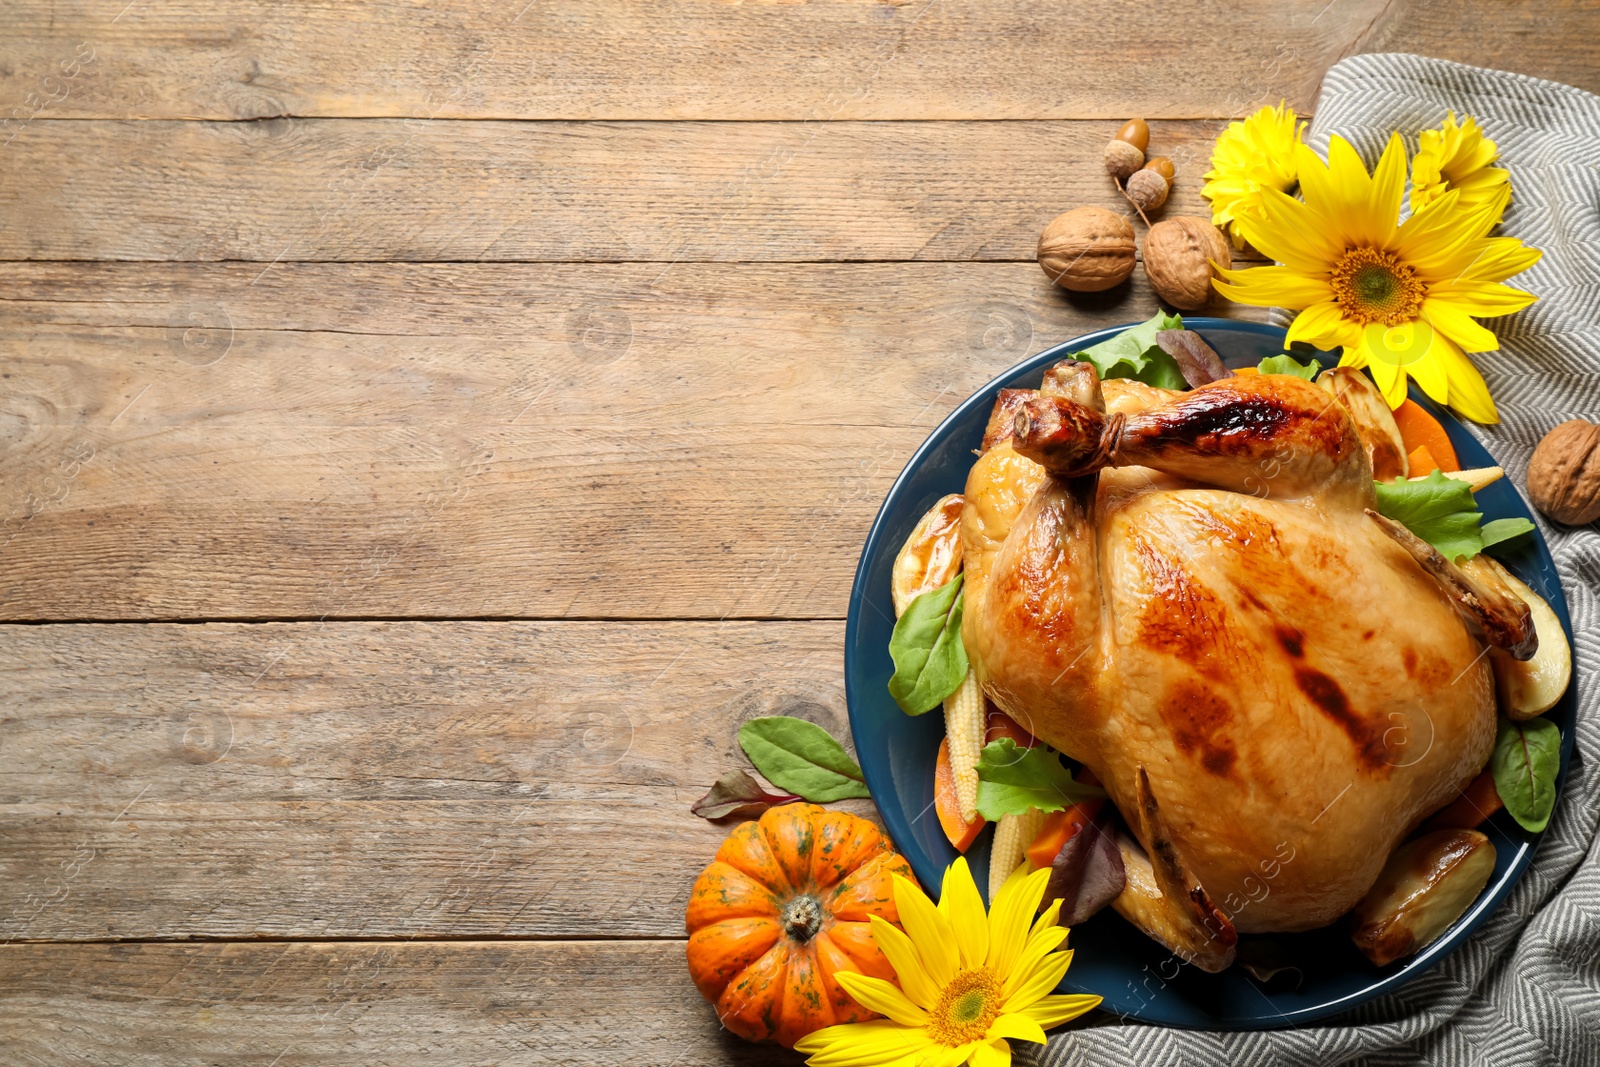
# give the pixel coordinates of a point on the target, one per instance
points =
(1526, 989)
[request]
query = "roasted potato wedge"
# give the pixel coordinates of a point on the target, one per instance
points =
(931, 556)
(1532, 687)
(1427, 884)
(1374, 421)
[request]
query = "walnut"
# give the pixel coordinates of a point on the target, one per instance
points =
(1088, 249)
(1564, 474)
(1176, 252)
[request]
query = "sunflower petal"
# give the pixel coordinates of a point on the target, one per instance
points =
(961, 905)
(1497, 259)
(871, 1044)
(1009, 915)
(928, 930)
(1047, 919)
(1058, 1008)
(885, 998)
(1388, 190)
(1323, 325)
(1038, 948)
(1044, 979)
(1385, 374)
(1016, 1026)
(906, 961)
(1291, 232)
(1450, 320)
(991, 1054)
(1469, 395)
(1430, 374)
(1484, 300)
(1280, 286)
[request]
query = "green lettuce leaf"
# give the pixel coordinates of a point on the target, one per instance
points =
(1526, 759)
(930, 661)
(1443, 512)
(1133, 353)
(1289, 365)
(1011, 780)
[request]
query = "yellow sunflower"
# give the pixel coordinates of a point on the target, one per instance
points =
(969, 982)
(1399, 298)
(1251, 156)
(1456, 157)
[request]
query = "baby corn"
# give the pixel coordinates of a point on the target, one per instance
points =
(964, 724)
(1012, 837)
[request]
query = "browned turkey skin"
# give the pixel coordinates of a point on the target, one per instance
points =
(1186, 593)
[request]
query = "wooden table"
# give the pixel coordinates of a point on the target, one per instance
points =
(431, 429)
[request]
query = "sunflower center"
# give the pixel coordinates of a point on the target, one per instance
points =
(966, 1008)
(1372, 285)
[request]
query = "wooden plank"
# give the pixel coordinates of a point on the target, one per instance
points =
(708, 59)
(454, 440)
(660, 192)
(378, 779)
(354, 1005)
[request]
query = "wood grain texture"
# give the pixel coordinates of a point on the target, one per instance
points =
(453, 440)
(660, 192)
(356, 1005)
(378, 779)
(711, 59)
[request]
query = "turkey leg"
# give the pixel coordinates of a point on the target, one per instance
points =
(1266, 435)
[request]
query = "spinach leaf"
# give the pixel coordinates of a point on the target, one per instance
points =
(1134, 353)
(802, 757)
(1011, 780)
(1498, 530)
(930, 661)
(1526, 757)
(1289, 365)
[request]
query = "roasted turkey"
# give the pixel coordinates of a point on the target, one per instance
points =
(1191, 594)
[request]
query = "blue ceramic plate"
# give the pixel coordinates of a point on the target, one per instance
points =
(1135, 975)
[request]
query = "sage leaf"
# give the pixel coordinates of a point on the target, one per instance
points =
(1197, 361)
(1087, 874)
(803, 758)
(1011, 780)
(736, 793)
(930, 661)
(1527, 757)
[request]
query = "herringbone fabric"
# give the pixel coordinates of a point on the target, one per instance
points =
(1525, 990)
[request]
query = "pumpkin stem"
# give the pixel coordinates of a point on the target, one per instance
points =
(802, 917)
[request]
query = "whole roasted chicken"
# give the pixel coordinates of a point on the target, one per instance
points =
(1191, 594)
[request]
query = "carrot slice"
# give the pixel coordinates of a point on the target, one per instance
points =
(1479, 800)
(1059, 828)
(1421, 461)
(1002, 725)
(948, 805)
(1418, 429)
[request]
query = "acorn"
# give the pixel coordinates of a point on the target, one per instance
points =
(1122, 159)
(1136, 132)
(1147, 189)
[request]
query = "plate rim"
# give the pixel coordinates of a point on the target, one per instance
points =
(899, 827)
